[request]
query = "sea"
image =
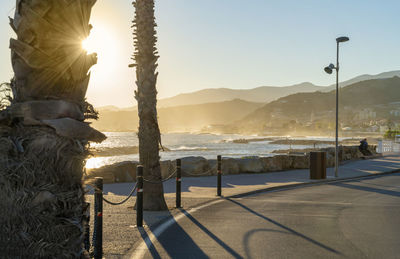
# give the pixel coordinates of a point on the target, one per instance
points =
(123, 146)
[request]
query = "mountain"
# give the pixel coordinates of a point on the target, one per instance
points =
(368, 77)
(108, 108)
(263, 94)
(113, 108)
(179, 118)
(375, 95)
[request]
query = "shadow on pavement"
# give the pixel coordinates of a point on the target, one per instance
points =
(210, 234)
(368, 189)
(186, 248)
(228, 181)
(356, 168)
(291, 231)
(151, 247)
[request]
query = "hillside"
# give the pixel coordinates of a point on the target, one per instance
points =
(305, 108)
(263, 94)
(365, 77)
(180, 118)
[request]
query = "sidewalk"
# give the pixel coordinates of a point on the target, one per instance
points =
(120, 233)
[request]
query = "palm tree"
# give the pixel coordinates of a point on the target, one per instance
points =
(43, 136)
(146, 57)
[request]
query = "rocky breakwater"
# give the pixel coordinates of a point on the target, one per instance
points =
(199, 166)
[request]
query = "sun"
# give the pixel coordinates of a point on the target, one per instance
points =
(103, 42)
(88, 45)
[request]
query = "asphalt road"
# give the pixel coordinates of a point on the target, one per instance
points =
(353, 219)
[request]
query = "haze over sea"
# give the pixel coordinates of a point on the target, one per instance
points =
(122, 146)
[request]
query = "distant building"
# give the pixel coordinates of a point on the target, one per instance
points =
(395, 113)
(366, 114)
(373, 128)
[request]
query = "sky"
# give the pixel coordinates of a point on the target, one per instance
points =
(235, 44)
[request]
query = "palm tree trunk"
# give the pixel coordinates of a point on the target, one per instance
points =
(146, 96)
(43, 136)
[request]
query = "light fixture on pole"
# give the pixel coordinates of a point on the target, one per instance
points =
(329, 70)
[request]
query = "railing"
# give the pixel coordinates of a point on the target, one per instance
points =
(388, 146)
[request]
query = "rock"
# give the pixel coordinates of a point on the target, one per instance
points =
(116, 173)
(199, 166)
(250, 165)
(195, 166)
(240, 141)
(300, 162)
(283, 162)
(269, 164)
(125, 171)
(330, 160)
(228, 166)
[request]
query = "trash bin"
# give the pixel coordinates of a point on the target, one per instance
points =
(318, 165)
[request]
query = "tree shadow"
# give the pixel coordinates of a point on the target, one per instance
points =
(228, 181)
(368, 189)
(227, 248)
(265, 179)
(186, 248)
(146, 239)
(290, 230)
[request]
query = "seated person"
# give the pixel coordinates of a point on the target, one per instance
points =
(364, 148)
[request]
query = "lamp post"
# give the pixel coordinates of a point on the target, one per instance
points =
(329, 70)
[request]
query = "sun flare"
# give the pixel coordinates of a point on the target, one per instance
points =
(103, 42)
(88, 45)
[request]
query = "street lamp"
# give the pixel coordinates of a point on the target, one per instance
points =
(329, 70)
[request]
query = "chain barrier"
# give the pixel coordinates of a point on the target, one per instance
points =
(117, 203)
(205, 173)
(97, 190)
(124, 200)
(161, 181)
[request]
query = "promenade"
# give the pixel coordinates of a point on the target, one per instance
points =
(120, 234)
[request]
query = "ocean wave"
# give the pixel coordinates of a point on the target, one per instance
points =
(117, 151)
(186, 148)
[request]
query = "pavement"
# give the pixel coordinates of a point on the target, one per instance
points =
(348, 219)
(121, 235)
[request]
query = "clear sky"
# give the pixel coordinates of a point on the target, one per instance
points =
(235, 43)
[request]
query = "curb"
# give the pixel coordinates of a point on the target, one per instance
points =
(317, 182)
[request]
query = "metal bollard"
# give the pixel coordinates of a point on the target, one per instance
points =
(219, 175)
(86, 219)
(98, 206)
(178, 183)
(139, 196)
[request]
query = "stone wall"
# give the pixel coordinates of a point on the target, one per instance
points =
(199, 166)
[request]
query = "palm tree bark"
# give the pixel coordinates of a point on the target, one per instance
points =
(146, 58)
(43, 136)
